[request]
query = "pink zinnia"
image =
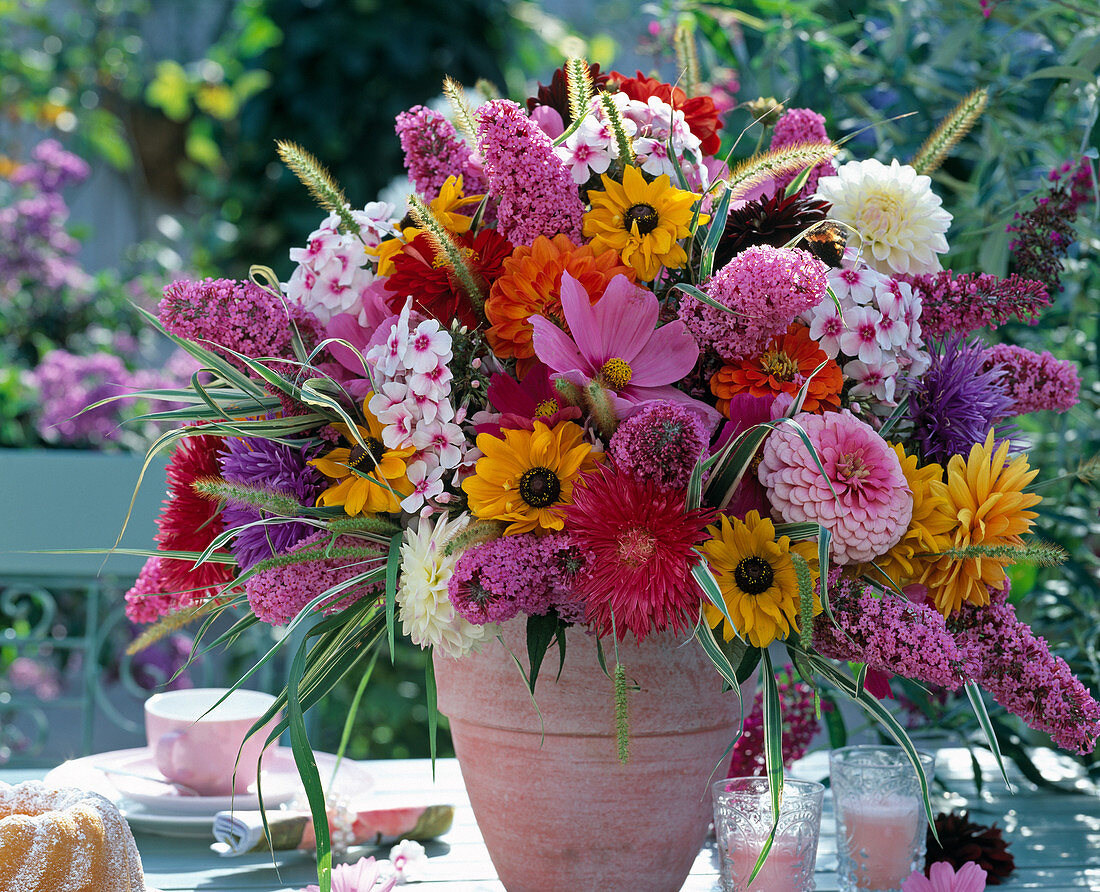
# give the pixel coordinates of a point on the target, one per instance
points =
(943, 878)
(642, 541)
(764, 289)
(873, 505)
(617, 344)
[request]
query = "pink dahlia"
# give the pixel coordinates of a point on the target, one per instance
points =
(642, 544)
(616, 343)
(872, 506)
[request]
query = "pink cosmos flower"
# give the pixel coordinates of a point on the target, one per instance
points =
(943, 878)
(616, 344)
(362, 876)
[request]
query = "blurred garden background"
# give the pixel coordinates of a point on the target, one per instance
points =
(137, 147)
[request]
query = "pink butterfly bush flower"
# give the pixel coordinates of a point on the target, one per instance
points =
(872, 506)
(615, 343)
(943, 878)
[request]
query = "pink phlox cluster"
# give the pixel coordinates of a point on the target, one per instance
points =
(235, 314)
(1036, 382)
(1021, 673)
(413, 402)
(333, 271)
(661, 442)
(278, 594)
(959, 304)
(434, 151)
(151, 596)
(872, 506)
(875, 333)
(650, 125)
(530, 574)
(799, 726)
(766, 288)
(890, 633)
(798, 125)
(536, 190)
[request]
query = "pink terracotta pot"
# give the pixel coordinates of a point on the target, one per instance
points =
(556, 808)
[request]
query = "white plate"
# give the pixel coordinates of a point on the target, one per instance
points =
(160, 808)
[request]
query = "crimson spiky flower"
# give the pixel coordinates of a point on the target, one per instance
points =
(768, 221)
(642, 541)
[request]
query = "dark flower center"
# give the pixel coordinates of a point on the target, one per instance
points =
(369, 457)
(644, 215)
(539, 487)
(753, 575)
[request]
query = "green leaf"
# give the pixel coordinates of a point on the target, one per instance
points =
(715, 231)
(703, 575)
(773, 751)
(393, 566)
(170, 90)
(431, 694)
(541, 630)
(978, 705)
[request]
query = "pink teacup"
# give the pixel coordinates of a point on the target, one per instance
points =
(198, 746)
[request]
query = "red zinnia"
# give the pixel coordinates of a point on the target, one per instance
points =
(700, 112)
(642, 540)
(421, 272)
(190, 522)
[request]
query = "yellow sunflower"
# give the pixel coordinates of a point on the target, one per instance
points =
(757, 577)
(371, 480)
(984, 504)
(641, 221)
(527, 478)
(927, 532)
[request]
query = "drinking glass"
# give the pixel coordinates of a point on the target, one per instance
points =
(880, 818)
(742, 821)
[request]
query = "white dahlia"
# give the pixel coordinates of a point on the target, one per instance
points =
(894, 209)
(426, 613)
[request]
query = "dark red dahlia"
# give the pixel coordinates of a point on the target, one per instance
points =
(771, 221)
(961, 840)
(557, 94)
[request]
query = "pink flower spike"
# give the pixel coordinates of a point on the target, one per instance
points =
(616, 344)
(943, 878)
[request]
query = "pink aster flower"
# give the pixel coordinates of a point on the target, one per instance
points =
(943, 878)
(362, 876)
(616, 344)
(642, 540)
(873, 505)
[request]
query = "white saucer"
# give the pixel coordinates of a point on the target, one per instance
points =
(158, 807)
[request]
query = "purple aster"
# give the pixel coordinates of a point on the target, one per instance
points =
(273, 466)
(957, 401)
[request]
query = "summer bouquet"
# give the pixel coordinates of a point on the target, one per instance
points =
(595, 373)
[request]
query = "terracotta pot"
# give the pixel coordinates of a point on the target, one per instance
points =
(555, 806)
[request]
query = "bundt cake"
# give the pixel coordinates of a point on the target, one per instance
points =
(65, 840)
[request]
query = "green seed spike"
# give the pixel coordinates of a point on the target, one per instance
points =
(475, 534)
(463, 114)
(1037, 552)
(805, 600)
(365, 524)
(615, 119)
(324, 189)
(598, 402)
(951, 129)
(255, 497)
(166, 625)
(444, 245)
(319, 553)
(622, 717)
(767, 165)
(570, 392)
(686, 57)
(578, 78)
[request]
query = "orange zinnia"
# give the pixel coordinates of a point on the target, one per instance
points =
(531, 286)
(783, 368)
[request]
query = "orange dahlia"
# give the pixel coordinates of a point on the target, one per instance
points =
(531, 286)
(783, 368)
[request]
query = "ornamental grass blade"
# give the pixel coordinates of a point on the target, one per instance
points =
(703, 575)
(393, 567)
(715, 230)
(978, 705)
(432, 696)
(773, 751)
